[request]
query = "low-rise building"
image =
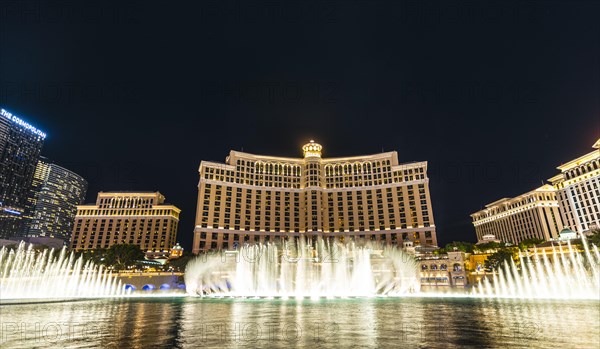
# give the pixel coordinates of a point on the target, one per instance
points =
(442, 271)
(487, 239)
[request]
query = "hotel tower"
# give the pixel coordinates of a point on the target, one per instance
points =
(571, 200)
(578, 191)
(55, 194)
(20, 147)
(535, 214)
(138, 218)
(258, 198)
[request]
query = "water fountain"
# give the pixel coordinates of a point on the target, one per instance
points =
(300, 269)
(28, 274)
(565, 273)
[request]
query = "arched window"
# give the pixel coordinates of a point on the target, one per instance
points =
(328, 170)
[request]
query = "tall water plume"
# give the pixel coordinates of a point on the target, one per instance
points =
(300, 269)
(562, 273)
(26, 273)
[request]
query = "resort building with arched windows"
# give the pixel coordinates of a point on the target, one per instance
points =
(257, 198)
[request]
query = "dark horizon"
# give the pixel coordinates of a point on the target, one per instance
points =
(134, 97)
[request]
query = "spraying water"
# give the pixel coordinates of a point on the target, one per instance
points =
(302, 270)
(298, 269)
(27, 274)
(563, 273)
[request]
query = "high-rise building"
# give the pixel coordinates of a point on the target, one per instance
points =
(578, 191)
(258, 198)
(20, 146)
(572, 201)
(531, 215)
(139, 218)
(55, 194)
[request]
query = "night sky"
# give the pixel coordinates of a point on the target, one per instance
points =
(494, 95)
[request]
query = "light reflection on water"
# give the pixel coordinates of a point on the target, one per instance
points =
(364, 323)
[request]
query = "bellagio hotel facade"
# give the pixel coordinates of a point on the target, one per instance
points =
(257, 198)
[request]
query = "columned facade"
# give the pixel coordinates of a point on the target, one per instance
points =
(578, 191)
(534, 214)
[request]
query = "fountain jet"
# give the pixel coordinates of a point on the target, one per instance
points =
(28, 274)
(299, 269)
(563, 273)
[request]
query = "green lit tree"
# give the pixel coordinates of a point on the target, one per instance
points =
(527, 243)
(496, 259)
(460, 246)
(121, 256)
(595, 237)
(97, 256)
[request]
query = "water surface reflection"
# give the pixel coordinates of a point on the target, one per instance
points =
(364, 323)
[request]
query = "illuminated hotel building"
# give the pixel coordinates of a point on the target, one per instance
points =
(139, 218)
(578, 191)
(256, 198)
(534, 214)
(20, 146)
(572, 201)
(56, 192)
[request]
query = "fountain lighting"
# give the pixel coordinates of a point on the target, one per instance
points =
(29, 274)
(301, 270)
(564, 273)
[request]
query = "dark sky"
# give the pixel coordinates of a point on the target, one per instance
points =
(494, 95)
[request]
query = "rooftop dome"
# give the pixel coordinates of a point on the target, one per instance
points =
(177, 247)
(567, 231)
(567, 234)
(312, 149)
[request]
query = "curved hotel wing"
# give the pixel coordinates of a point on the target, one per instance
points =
(56, 192)
(256, 198)
(571, 201)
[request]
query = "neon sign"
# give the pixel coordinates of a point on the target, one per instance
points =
(22, 123)
(12, 211)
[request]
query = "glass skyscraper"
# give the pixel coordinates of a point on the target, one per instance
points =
(20, 146)
(55, 194)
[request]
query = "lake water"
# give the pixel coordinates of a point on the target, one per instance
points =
(186, 322)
